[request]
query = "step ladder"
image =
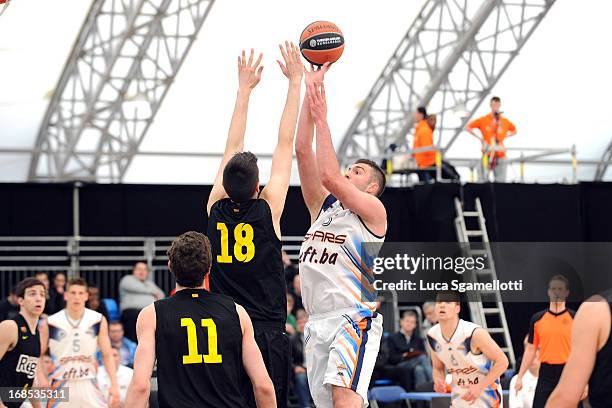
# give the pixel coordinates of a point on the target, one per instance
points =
(486, 307)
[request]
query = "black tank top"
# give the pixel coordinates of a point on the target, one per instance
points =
(18, 366)
(198, 344)
(247, 263)
(600, 382)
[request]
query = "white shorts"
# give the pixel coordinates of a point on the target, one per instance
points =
(340, 348)
(81, 393)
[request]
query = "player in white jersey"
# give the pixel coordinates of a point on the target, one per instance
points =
(343, 333)
(469, 354)
(75, 333)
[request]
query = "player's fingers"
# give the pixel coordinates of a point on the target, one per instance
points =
(243, 57)
(288, 52)
(325, 66)
(282, 67)
(251, 57)
(258, 60)
(322, 91)
(239, 62)
(283, 53)
(259, 71)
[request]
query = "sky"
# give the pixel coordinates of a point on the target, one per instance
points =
(556, 91)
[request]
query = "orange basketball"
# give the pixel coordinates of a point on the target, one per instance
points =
(321, 42)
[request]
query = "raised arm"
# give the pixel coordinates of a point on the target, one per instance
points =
(275, 191)
(364, 204)
(310, 182)
(254, 365)
(140, 386)
(249, 75)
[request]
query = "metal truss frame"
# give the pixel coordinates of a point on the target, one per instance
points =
(122, 64)
(603, 164)
(449, 60)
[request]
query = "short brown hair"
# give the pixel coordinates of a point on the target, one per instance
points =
(190, 259)
(77, 282)
(378, 175)
(240, 176)
(560, 278)
(448, 296)
(26, 284)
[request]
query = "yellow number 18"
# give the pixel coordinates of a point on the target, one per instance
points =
(244, 248)
(194, 357)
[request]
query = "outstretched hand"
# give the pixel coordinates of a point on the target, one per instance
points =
(249, 71)
(318, 102)
(316, 74)
(293, 68)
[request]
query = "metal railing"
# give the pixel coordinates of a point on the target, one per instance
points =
(101, 261)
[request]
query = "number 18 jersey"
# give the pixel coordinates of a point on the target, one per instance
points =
(198, 344)
(246, 259)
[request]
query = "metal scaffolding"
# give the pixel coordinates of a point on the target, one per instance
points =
(449, 60)
(123, 62)
(603, 164)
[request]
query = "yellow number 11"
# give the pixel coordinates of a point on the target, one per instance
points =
(194, 357)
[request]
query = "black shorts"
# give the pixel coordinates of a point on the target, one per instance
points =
(275, 349)
(548, 378)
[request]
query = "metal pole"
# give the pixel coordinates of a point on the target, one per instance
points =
(73, 242)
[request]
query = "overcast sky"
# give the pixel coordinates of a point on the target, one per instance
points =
(556, 91)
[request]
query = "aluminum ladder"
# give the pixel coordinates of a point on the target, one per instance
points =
(486, 307)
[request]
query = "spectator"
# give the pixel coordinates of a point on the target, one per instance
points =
(300, 380)
(56, 292)
(524, 397)
(423, 137)
(126, 347)
(494, 129)
(291, 323)
(44, 278)
(290, 269)
(407, 354)
(95, 303)
(297, 295)
(429, 310)
(124, 377)
(9, 308)
(135, 293)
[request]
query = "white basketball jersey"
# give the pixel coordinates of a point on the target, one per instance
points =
(465, 367)
(333, 264)
(73, 345)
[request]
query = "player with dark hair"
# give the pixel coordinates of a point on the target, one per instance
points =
(20, 346)
(75, 335)
(550, 330)
(244, 222)
(201, 341)
(468, 353)
(344, 330)
(590, 361)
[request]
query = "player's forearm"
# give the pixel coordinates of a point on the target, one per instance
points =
(288, 121)
(438, 374)
(109, 364)
(235, 139)
(138, 395)
(264, 395)
(500, 366)
(329, 167)
(561, 399)
(528, 357)
(305, 132)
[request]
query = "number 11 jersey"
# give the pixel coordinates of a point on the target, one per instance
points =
(198, 345)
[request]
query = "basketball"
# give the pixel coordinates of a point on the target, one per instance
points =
(321, 42)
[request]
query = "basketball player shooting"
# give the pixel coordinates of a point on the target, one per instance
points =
(344, 330)
(244, 222)
(468, 353)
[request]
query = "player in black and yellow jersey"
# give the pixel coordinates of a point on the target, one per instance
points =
(20, 345)
(244, 222)
(201, 341)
